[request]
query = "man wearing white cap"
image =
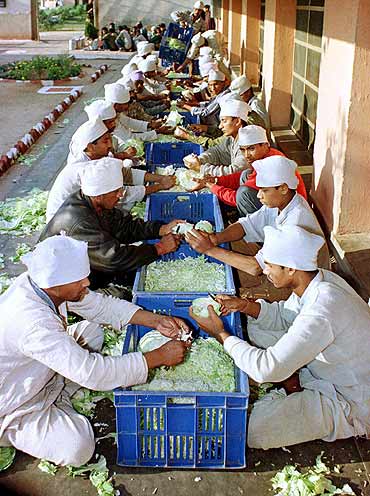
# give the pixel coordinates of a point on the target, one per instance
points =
(44, 361)
(277, 183)
(90, 215)
(144, 48)
(149, 68)
(317, 342)
(242, 87)
(239, 189)
(225, 157)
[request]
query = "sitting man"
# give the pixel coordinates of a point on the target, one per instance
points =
(321, 334)
(226, 157)
(277, 182)
(90, 215)
(152, 103)
(91, 142)
(239, 189)
(44, 361)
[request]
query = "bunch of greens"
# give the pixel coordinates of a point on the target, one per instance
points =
(291, 482)
(113, 341)
(189, 274)
(47, 467)
(138, 210)
(39, 67)
(136, 143)
(176, 44)
(23, 215)
(206, 368)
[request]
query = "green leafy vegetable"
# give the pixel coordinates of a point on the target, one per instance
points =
(23, 215)
(22, 249)
(113, 342)
(184, 178)
(136, 143)
(6, 457)
(84, 400)
(47, 467)
(176, 44)
(138, 210)
(187, 274)
(5, 282)
(99, 476)
(200, 306)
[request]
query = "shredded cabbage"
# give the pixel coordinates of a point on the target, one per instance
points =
(47, 467)
(173, 119)
(113, 341)
(189, 274)
(204, 225)
(138, 210)
(84, 400)
(136, 143)
(184, 178)
(22, 249)
(6, 457)
(207, 367)
(177, 75)
(23, 215)
(200, 306)
(291, 482)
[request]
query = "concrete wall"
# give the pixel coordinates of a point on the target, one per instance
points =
(18, 20)
(149, 12)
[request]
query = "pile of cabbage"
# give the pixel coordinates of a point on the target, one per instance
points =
(188, 274)
(136, 143)
(176, 44)
(207, 368)
(184, 178)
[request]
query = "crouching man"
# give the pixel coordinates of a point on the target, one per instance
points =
(43, 360)
(322, 333)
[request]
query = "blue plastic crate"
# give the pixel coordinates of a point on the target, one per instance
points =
(188, 118)
(200, 430)
(157, 154)
(170, 55)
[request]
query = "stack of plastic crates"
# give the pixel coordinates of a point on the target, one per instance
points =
(170, 55)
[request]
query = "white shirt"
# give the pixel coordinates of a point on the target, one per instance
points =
(328, 333)
(36, 352)
(296, 213)
(129, 128)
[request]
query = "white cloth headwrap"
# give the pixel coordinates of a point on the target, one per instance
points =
(198, 40)
(116, 93)
(57, 260)
(145, 49)
(128, 68)
(252, 135)
(100, 109)
(216, 76)
(147, 65)
(87, 133)
(103, 177)
(240, 85)
(153, 57)
(234, 108)
(126, 82)
(274, 171)
(199, 5)
(291, 246)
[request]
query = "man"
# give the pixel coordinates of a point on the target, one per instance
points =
(123, 40)
(242, 87)
(240, 189)
(225, 157)
(90, 215)
(44, 361)
(144, 48)
(151, 83)
(152, 103)
(277, 182)
(91, 142)
(321, 333)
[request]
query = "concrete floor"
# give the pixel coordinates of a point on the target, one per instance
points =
(23, 478)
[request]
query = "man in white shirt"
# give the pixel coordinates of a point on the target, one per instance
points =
(44, 360)
(321, 334)
(277, 182)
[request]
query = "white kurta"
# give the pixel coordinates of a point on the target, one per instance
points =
(296, 213)
(222, 159)
(128, 128)
(38, 358)
(327, 332)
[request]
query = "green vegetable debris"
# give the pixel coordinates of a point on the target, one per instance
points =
(6, 457)
(48, 467)
(84, 400)
(176, 44)
(186, 274)
(138, 210)
(99, 476)
(5, 282)
(22, 249)
(136, 143)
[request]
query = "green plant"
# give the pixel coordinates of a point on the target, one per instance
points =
(91, 31)
(43, 68)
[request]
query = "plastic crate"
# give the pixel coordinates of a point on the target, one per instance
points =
(170, 55)
(188, 118)
(200, 430)
(157, 154)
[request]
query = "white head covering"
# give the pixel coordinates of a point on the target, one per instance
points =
(102, 177)
(234, 108)
(216, 76)
(145, 48)
(87, 133)
(205, 50)
(204, 69)
(198, 40)
(199, 5)
(274, 171)
(240, 85)
(116, 93)
(57, 260)
(147, 65)
(291, 246)
(128, 68)
(125, 82)
(153, 57)
(100, 109)
(252, 135)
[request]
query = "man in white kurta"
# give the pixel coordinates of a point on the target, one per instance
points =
(43, 360)
(322, 332)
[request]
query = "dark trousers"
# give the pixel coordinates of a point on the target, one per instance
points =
(247, 201)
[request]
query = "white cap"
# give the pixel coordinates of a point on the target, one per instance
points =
(274, 171)
(205, 50)
(128, 68)
(87, 133)
(100, 109)
(252, 135)
(198, 40)
(116, 93)
(104, 176)
(145, 48)
(234, 108)
(56, 261)
(240, 85)
(216, 76)
(199, 5)
(205, 68)
(153, 57)
(147, 65)
(291, 246)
